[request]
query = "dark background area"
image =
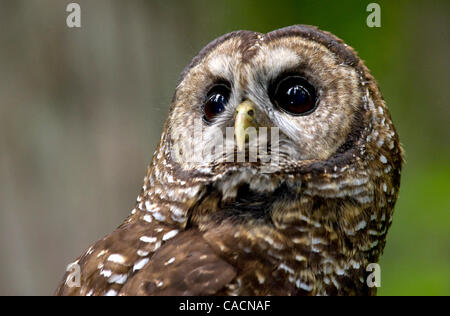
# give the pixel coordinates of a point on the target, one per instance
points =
(81, 111)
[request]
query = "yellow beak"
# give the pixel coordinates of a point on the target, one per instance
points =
(244, 118)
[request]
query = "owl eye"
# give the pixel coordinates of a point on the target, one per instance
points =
(294, 95)
(215, 102)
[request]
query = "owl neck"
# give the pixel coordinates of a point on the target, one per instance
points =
(335, 237)
(292, 234)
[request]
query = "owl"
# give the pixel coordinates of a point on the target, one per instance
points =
(276, 174)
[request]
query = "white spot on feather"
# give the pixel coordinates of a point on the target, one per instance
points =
(286, 268)
(171, 260)
(117, 258)
(361, 225)
(148, 239)
(140, 264)
(111, 293)
(380, 142)
(106, 273)
(118, 278)
(300, 258)
(303, 286)
(170, 234)
(142, 253)
(364, 199)
(159, 217)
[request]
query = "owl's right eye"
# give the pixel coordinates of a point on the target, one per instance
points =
(215, 102)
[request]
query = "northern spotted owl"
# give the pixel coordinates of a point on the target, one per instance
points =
(276, 174)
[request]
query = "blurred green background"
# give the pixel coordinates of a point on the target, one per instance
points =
(81, 111)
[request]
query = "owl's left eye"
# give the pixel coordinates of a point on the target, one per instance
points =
(215, 102)
(294, 95)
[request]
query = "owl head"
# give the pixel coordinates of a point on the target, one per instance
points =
(296, 101)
